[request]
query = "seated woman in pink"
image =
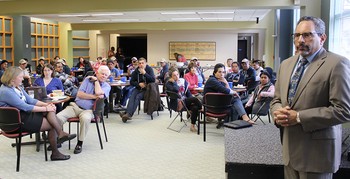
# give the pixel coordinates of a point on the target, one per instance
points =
(192, 78)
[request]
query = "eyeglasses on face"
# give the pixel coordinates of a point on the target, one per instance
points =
(306, 35)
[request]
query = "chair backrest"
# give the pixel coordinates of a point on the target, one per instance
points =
(10, 119)
(89, 73)
(98, 107)
(173, 95)
(217, 102)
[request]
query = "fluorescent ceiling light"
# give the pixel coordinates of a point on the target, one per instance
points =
(95, 20)
(177, 13)
(185, 19)
(73, 15)
(111, 14)
(218, 18)
(218, 12)
(125, 20)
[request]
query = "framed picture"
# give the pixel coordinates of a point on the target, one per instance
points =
(201, 50)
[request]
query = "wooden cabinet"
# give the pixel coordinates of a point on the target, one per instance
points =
(6, 39)
(44, 40)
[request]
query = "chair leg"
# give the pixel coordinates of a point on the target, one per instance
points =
(45, 144)
(18, 148)
(184, 121)
(68, 133)
(99, 134)
(104, 128)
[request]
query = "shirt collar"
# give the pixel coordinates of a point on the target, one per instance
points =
(311, 57)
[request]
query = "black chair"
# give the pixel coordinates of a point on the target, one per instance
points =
(11, 127)
(263, 110)
(217, 105)
(175, 96)
(98, 117)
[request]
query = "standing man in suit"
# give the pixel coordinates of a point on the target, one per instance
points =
(311, 102)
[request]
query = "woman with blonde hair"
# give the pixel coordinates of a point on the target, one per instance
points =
(36, 116)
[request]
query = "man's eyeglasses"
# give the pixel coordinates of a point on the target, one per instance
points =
(306, 35)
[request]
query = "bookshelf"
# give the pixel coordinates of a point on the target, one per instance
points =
(6, 39)
(44, 40)
(80, 45)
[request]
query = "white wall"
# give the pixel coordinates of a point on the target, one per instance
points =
(158, 44)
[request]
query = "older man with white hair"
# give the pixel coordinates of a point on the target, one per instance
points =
(92, 87)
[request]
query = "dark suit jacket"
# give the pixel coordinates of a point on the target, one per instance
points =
(323, 102)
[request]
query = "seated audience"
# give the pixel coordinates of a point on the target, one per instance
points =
(36, 116)
(66, 68)
(91, 88)
(180, 86)
(229, 62)
(81, 63)
(199, 72)
(97, 64)
(258, 69)
(115, 89)
(142, 76)
(26, 76)
(262, 95)
(70, 82)
(165, 68)
(235, 76)
(192, 78)
(3, 67)
(40, 66)
(132, 66)
(218, 84)
(29, 66)
(51, 83)
(249, 76)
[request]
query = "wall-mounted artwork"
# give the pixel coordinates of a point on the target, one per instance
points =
(201, 50)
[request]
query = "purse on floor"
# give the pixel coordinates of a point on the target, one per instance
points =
(238, 124)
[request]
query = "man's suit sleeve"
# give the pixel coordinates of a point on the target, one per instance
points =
(339, 97)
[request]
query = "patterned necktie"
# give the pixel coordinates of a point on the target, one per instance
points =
(295, 80)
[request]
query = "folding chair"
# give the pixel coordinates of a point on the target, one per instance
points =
(11, 127)
(263, 110)
(97, 110)
(175, 96)
(217, 105)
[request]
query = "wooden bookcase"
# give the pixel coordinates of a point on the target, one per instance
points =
(80, 45)
(6, 39)
(44, 40)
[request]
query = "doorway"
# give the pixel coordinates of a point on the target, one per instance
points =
(132, 46)
(242, 51)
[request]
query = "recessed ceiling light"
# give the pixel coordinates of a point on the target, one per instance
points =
(125, 20)
(111, 14)
(177, 13)
(218, 18)
(185, 19)
(73, 15)
(218, 12)
(95, 20)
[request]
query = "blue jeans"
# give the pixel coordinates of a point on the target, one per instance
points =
(238, 108)
(126, 93)
(134, 101)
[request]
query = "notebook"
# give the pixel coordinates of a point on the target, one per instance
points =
(237, 124)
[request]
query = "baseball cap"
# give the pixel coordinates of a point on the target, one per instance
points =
(3, 61)
(22, 61)
(245, 61)
(162, 60)
(194, 58)
(133, 59)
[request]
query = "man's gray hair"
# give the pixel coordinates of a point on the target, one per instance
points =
(320, 26)
(103, 68)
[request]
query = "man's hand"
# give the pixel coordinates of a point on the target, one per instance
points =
(142, 85)
(142, 71)
(285, 116)
(93, 78)
(171, 80)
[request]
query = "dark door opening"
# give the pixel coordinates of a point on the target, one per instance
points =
(133, 46)
(242, 50)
